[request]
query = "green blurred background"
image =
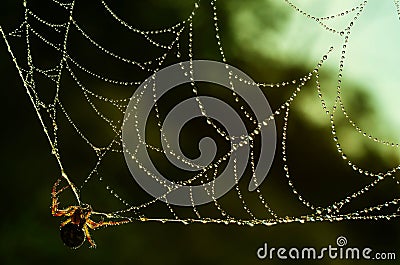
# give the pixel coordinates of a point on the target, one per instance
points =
(271, 43)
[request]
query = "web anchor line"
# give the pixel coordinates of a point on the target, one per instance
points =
(53, 148)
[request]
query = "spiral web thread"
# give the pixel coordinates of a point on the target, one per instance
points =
(50, 111)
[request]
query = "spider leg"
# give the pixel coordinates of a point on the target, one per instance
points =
(64, 212)
(54, 191)
(65, 222)
(89, 237)
(93, 225)
(54, 205)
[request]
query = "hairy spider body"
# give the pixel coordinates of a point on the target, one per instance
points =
(72, 235)
(75, 229)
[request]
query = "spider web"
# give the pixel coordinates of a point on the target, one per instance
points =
(61, 89)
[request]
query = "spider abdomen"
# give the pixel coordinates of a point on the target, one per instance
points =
(72, 235)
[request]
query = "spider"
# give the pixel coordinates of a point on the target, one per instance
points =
(75, 229)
